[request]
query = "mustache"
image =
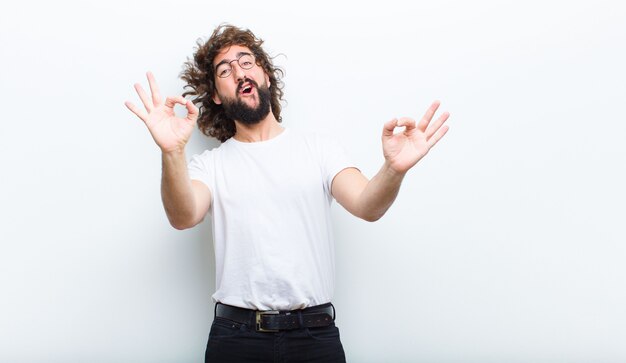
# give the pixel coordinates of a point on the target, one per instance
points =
(244, 81)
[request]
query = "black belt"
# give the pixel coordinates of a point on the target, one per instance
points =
(273, 321)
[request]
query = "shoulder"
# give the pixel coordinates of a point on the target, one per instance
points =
(213, 152)
(207, 158)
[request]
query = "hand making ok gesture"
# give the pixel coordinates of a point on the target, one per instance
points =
(171, 133)
(404, 149)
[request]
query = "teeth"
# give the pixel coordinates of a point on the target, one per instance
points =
(246, 88)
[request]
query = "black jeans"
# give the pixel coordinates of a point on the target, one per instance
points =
(235, 342)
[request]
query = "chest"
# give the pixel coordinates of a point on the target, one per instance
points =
(248, 178)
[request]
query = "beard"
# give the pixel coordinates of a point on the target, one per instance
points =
(237, 109)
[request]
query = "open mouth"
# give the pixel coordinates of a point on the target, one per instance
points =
(246, 89)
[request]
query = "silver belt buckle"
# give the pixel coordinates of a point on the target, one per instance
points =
(259, 314)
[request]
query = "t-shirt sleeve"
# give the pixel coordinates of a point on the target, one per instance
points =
(198, 169)
(334, 159)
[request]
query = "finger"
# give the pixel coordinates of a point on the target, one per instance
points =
(436, 125)
(192, 111)
(438, 135)
(428, 116)
(407, 122)
(144, 97)
(389, 127)
(154, 89)
(173, 100)
(137, 111)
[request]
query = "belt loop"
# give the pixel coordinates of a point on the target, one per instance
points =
(251, 319)
(215, 309)
(334, 312)
(300, 319)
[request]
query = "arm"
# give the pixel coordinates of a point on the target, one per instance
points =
(185, 201)
(370, 199)
(366, 199)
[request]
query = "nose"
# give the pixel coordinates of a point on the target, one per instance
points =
(238, 72)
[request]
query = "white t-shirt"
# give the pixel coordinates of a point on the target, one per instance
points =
(270, 209)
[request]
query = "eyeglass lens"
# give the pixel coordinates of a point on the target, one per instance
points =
(246, 61)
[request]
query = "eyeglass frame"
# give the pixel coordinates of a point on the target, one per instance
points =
(229, 63)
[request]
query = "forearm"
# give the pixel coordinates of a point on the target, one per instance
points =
(176, 191)
(379, 193)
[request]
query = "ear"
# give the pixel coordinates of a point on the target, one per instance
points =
(216, 98)
(267, 81)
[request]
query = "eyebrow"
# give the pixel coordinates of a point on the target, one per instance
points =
(239, 55)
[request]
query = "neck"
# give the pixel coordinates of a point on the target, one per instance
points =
(266, 129)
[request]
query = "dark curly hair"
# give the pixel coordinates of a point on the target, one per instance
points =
(200, 77)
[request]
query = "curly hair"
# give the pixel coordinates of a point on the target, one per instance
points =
(200, 77)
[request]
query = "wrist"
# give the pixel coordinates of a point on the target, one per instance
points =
(173, 156)
(175, 151)
(391, 172)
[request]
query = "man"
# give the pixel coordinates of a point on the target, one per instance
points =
(268, 191)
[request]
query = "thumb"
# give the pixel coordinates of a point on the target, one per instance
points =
(192, 111)
(389, 127)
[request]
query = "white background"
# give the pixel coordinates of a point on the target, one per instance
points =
(506, 243)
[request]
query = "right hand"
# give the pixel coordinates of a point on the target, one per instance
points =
(170, 133)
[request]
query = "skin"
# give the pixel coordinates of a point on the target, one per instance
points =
(187, 201)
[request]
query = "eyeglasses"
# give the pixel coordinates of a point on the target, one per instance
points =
(245, 61)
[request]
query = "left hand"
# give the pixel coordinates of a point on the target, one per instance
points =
(404, 149)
